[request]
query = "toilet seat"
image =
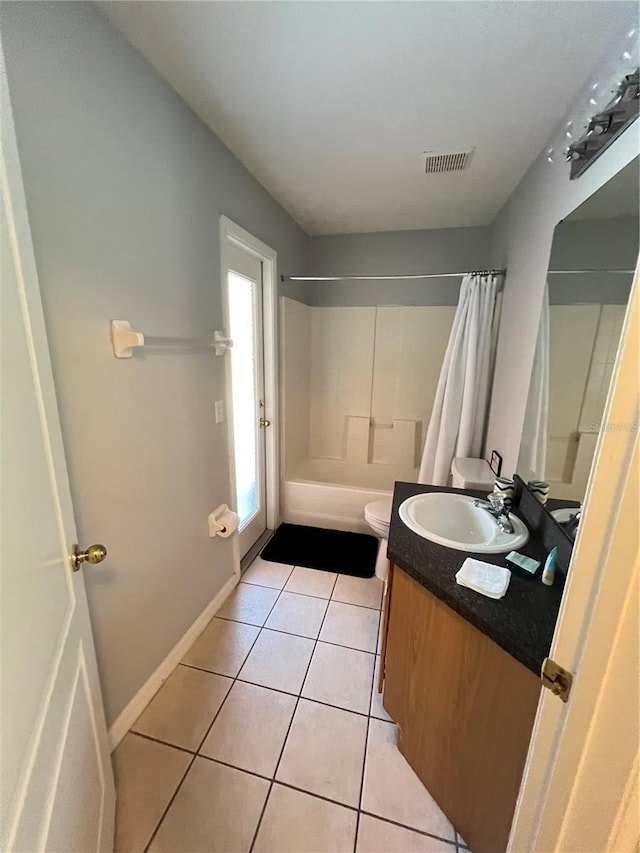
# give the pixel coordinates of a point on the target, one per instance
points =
(378, 516)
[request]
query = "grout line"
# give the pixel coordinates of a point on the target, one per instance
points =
(165, 812)
(234, 767)
(316, 796)
(298, 696)
(303, 595)
(318, 640)
(163, 742)
(286, 785)
(169, 804)
(353, 604)
(410, 828)
(279, 690)
(303, 636)
(286, 737)
(265, 586)
(309, 594)
(235, 678)
(364, 761)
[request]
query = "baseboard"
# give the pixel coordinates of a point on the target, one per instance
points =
(148, 690)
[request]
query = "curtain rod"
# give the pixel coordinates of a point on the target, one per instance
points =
(388, 277)
(588, 272)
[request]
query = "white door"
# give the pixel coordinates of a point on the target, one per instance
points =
(56, 783)
(580, 786)
(243, 299)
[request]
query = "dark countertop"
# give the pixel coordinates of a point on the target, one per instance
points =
(522, 622)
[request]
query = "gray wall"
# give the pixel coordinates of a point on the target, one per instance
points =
(392, 253)
(597, 244)
(125, 187)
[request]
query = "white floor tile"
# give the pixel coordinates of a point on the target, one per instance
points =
(265, 573)
(297, 614)
(217, 810)
(352, 626)
(279, 661)
(311, 582)
(378, 836)
(249, 603)
(250, 729)
(147, 774)
(367, 592)
(222, 647)
(294, 822)
(377, 709)
(341, 677)
(324, 752)
(182, 710)
(392, 789)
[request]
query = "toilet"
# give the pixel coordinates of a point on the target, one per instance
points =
(466, 473)
(378, 516)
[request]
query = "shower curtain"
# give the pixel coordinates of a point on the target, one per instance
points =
(459, 411)
(533, 445)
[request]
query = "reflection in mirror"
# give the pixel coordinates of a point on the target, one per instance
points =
(578, 337)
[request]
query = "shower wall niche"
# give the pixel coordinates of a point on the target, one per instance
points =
(359, 385)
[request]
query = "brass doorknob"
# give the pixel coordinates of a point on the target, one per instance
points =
(264, 422)
(93, 554)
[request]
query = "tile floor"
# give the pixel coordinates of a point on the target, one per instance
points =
(270, 736)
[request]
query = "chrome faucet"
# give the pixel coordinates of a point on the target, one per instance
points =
(495, 507)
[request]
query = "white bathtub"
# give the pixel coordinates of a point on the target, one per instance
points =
(320, 495)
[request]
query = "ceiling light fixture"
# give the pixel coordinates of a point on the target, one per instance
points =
(603, 109)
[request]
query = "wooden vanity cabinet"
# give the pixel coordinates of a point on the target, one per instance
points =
(464, 708)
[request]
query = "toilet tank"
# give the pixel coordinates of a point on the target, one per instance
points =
(468, 473)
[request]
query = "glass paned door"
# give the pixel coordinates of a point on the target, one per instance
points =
(244, 307)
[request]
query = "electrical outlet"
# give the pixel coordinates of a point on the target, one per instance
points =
(219, 407)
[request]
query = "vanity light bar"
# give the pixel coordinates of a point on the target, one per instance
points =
(606, 126)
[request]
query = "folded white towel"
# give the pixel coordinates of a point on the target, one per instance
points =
(485, 578)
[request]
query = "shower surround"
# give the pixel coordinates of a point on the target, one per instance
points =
(358, 388)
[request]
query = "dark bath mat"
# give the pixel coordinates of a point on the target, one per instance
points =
(326, 550)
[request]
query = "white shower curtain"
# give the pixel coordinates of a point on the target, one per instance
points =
(533, 444)
(459, 411)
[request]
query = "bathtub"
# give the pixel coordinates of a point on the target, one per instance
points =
(325, 493)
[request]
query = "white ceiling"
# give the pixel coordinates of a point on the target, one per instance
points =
(330, 105)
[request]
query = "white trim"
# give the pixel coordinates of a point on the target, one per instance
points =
(136, 706)
(231, 233)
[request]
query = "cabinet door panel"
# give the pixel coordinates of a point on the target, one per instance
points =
(465, 710)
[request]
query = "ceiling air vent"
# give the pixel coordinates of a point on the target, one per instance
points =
(437, 162)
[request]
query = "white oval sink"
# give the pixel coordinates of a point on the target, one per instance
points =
(451, 519)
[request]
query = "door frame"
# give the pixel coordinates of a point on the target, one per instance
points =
(232, 234)
(562, 787)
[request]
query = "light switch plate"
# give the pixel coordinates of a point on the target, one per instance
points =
(219, 407)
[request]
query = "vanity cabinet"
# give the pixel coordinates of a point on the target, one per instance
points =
(464, 708)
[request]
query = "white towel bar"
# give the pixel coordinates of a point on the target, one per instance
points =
(124, 339)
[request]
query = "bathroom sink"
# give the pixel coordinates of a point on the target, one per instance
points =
(451, 519)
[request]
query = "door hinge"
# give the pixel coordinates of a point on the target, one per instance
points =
(556, 679)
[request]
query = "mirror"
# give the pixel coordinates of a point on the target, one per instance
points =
(578, 338)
